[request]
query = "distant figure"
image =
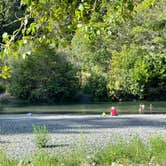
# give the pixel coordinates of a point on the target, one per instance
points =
(103, 114)
(113, 111)
(141, 108)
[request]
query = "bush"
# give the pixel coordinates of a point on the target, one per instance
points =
(44, 76)
(2, 88)
(155, 87)
(4, 99)
(96, 87)
(136, 73)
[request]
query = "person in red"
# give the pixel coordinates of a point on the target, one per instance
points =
(113, 111)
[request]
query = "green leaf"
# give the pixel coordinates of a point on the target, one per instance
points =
(29, 2)
(26, 2)
(81, 7)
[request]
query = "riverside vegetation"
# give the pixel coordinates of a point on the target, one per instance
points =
(41, 135)
(133, 152)
(61, 51)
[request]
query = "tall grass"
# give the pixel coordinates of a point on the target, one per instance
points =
(6, 161)
(135, 152)
(41, 135)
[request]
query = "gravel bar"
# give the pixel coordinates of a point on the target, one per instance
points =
(68, 131)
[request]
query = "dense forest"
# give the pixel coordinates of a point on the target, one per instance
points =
(83, 50)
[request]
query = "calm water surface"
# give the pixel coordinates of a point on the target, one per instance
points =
(122, 107)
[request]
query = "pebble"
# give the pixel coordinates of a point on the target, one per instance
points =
(91, 132)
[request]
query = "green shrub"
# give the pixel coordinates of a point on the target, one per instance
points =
(44, 76)
(2, 88)
(4, 99)
(155, 87)
(96, 87)
(135, 73)
(41, 135)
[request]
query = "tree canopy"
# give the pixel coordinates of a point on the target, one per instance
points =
(117, 48)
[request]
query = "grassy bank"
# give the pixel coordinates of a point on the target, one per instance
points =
(134, 152)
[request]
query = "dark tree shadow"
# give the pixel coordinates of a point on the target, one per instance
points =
(55, 146)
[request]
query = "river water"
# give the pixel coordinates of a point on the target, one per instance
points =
(95, 108)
